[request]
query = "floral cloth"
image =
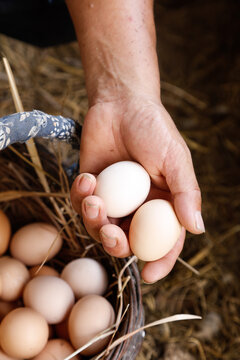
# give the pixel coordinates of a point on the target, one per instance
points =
(21, 127)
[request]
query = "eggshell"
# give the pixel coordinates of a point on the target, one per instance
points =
(5, 308)
(85, 276)
(13, 276)
(34, 242)
(56, 349)
(44, 270)
(89, 316)
(123, 186)
(154, 230)
(5, 232)
(50, 296)
(23, 333)
(4, 356)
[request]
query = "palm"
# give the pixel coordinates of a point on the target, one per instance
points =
(114, 132)
(144, 132)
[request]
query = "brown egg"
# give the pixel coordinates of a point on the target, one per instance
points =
(5, 308)
(34, 242)
(56, 349)
(5, 232)
(23, 333)
(44, 270)
(89, 316)
(50, 296)
(13, 277)
(4, 356)
(85, 276)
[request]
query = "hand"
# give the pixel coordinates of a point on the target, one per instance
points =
(140, 130)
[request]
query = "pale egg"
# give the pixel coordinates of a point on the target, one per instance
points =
(85, 276)
(13, 277)
(123, 186)
(23, 333)
(4, 356)
(90, 315)
(50, 296)
(33, 243)
(57, 349)
(5, 232)
(154, 230)
(44, 270)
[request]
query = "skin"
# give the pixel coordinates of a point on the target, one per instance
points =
(127, 121)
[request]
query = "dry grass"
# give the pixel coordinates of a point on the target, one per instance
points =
(52, 81)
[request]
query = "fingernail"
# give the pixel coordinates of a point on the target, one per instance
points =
(85, 183)
(92, 210)
(199, 222)
(108, 241)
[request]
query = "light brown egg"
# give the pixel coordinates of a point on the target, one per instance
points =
(5, 308)
(44, 270)
(34, 242)
(89, 316)
(85, 276)
(23, 333)
(5, 232)
(13, 277)
(154, 230)
(56, 349)
(4, 356)
(50, 296)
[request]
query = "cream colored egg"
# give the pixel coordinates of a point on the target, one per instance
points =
(13, 277)
(33, 243)
(154, 230)
(89, 316)
(44, 270)
(4, 356)
(123, 186)
(23, 333)
(85, 276)
(50, 296)
(5, 232)
(57, 349)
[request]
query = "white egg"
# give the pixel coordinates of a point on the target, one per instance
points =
(85, 276)
(154, 230)
(123, 186)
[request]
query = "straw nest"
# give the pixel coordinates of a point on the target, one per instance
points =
(52, 80)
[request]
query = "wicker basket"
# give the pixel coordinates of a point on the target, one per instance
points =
(20, 212)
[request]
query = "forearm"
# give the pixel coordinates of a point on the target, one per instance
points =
(118, 47)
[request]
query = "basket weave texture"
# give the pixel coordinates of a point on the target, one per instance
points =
(16, 175)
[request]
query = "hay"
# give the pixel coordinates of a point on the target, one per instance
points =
(52, 80)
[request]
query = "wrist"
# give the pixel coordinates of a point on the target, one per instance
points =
(112, 77)
(117, 43)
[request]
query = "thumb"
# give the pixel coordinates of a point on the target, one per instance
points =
(182, 182)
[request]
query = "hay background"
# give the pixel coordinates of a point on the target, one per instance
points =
(200, 67)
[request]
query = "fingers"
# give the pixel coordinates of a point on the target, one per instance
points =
(181, 179)
(83, 186)
(114, 241)
(156, 270)
(94, 215)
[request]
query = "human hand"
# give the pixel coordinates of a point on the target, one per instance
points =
(140, 130)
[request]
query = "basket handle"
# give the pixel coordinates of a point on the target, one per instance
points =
(22, 126)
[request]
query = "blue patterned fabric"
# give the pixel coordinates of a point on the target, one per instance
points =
(21, 127)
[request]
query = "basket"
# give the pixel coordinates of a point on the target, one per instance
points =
(23, 198)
